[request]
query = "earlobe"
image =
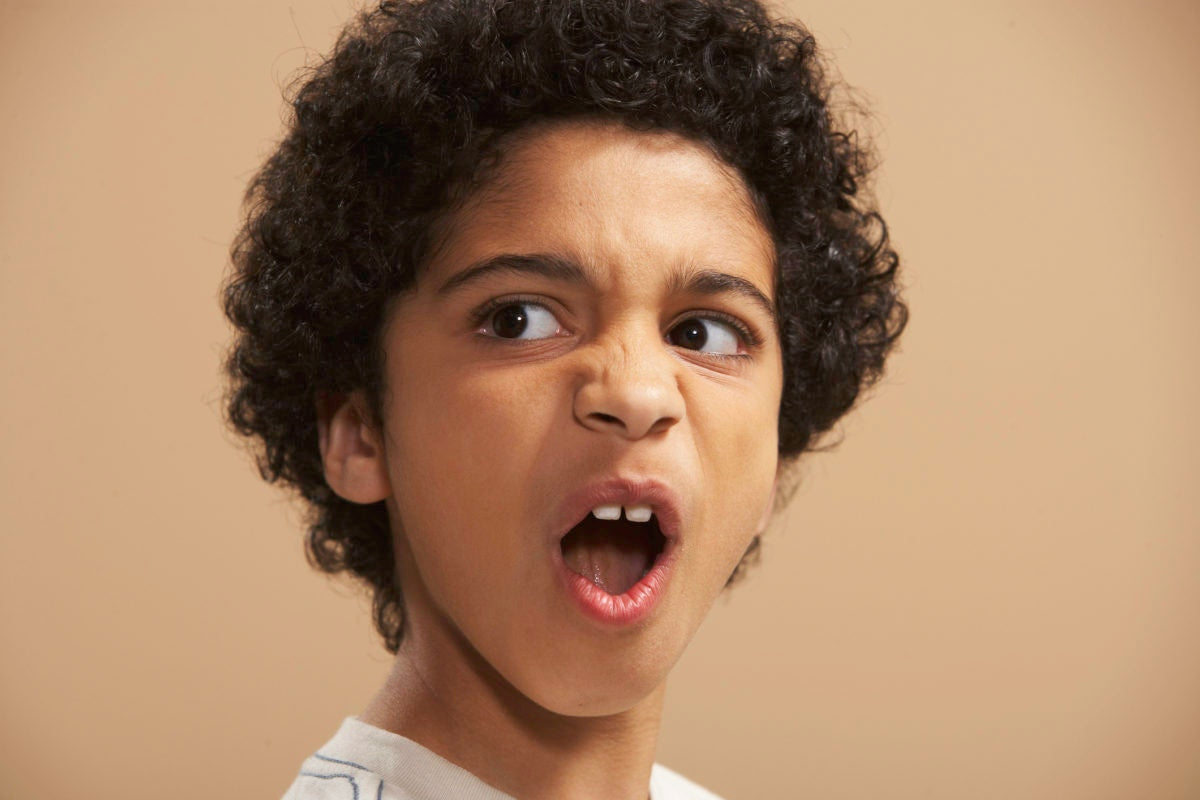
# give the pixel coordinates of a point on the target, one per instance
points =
(351, 449)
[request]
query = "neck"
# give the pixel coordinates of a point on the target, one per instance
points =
(443, 695)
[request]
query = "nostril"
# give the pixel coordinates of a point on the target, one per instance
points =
(627, 406)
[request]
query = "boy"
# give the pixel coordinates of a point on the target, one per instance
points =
(535, 302)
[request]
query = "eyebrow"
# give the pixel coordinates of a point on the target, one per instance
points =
(713, 282)
(708, 282)
(541, 265)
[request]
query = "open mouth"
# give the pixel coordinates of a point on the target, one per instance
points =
(614, 546)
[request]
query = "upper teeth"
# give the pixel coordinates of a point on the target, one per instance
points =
(632, 513)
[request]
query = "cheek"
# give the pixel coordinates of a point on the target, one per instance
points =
(738, 438)
(466, 411)
(463, 443)
(738, 428)
(493, 418)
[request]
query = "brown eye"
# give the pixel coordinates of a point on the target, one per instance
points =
(510, 321)
(522, 321)
(690, 334)
(706, 336)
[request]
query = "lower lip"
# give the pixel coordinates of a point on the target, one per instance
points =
(619, 610)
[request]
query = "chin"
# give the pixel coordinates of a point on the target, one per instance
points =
(599, 699)
(586, 684)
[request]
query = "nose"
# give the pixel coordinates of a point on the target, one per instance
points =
(631, 392)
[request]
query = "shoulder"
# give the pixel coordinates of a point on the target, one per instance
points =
(666, 784)
(362, 762)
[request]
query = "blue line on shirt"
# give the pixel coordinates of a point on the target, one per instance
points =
(350, 778)
(339, 761)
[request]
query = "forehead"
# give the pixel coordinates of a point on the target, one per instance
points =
(602, 194)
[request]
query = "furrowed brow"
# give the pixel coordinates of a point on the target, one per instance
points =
(539, 264)
(713, 282)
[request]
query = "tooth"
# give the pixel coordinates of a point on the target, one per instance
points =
(638, 513)
(607, 512)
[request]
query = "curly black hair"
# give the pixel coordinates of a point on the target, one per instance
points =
(395, 127)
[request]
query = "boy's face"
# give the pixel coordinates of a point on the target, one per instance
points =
(623, 359)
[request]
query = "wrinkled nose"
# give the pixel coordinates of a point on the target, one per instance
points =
(631, 393)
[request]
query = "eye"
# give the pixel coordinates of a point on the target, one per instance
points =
(521, 320)
(707, 336)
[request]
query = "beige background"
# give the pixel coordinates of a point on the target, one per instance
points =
(991, 590)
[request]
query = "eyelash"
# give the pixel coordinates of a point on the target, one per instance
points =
(751, 339)
(481, 315)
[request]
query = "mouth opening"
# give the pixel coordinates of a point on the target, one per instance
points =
(613, 554)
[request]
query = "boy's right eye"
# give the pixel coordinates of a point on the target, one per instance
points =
(521, 320)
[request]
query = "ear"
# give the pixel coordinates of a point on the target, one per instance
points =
(768, 510)
(351, 448)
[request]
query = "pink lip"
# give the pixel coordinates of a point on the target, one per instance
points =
(641, 598)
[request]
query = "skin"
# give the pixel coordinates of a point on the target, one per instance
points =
(482, 436)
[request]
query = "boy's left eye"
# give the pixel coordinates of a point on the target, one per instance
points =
(522, 320)
(706, 336)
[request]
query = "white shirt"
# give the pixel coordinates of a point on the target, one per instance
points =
(362, 762)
